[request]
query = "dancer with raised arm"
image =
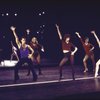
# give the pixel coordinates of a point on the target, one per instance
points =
(36, 56)
(25, 56)
(14, 52)
(98, 62)
(88, 51)
(67, 47)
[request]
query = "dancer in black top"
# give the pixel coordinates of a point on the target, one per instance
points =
(67, 47)
(36, 56)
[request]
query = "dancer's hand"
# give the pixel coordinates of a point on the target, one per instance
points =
(30, 56)
(42, 49)
(28, 31)
(78, 34)
(12, 28)
(57, 26)
(93, 32)
(72, 53)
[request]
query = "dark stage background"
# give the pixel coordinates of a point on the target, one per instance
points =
(41, 16)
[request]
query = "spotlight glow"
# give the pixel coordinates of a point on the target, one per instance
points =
(2, 14)
(37, 32)
(43, 25)
(7, 14)
(40, 14)
(15, 14)
(43, 12)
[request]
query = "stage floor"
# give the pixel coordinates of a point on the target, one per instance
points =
(48, 74)
(48, 86)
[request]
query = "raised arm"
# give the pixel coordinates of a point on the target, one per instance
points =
(28, 31)
(78, 34)
(42, 49)
(59, 33)
(97, 39)
(16, 37)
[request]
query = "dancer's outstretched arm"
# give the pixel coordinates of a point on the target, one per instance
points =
(79, 36)
(59, 33)
(16, 37)
(28, 31)
(97, 39)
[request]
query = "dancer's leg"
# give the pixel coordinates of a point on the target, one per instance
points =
(84, 62)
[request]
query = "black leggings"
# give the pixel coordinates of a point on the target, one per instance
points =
(30, 65)
(64, 60)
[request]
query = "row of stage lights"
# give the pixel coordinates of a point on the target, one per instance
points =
(7, 14)
(41, 27)
(43, 13)
(15, 14)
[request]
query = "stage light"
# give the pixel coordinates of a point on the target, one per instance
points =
(37, 32)
(15, 14)
(43, 25)
(40, 14)
(2, 14)
(7, 14)
(43, 12)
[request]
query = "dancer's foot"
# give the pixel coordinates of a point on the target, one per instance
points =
(95, 76)
(85, 70)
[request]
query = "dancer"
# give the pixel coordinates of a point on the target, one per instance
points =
(98, 62)
(88, 50)
(36, 56)
(14, 52)
(67, 50)
(25, 57)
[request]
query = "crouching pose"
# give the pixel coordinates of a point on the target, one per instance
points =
(67, 47)
(25, 56)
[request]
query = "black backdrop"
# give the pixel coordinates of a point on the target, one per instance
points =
(77, 15)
